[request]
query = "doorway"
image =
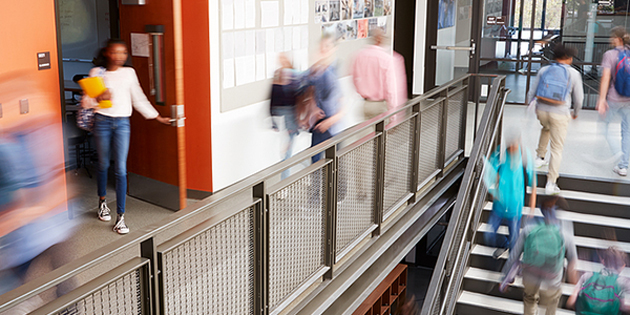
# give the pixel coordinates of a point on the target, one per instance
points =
(154, 175)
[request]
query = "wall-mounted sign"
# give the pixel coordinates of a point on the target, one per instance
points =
(500, 20)
(43, 60)
(491, 20)
(134, 2)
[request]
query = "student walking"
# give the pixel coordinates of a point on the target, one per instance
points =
(379, 77)
(614, 99)
(327, 94)
(284, 91)
(603, 292)
(111, 125)
(544, 247)
(513, 173)
(556, 86)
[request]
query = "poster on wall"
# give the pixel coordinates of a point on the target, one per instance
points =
(351, 30)
(378, 7)
(346, 9)
(333, 6)
(362, 28)
(321, 11)
(357, 11)
(387, 7)
(446, 14)
(368, 8)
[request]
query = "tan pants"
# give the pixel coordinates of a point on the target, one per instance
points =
(554, 128)
(372, 109)
(533, 296)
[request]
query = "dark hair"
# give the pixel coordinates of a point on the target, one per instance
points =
(100, 60)
(561, 52)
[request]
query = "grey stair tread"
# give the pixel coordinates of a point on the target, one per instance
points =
(498, 304)
(496, 277)
(580, 241)
(585, 196)
(582, 265)
(579, 217)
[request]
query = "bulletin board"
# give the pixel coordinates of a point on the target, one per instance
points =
(254, 32)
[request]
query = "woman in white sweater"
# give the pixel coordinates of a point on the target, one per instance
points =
(111, 125)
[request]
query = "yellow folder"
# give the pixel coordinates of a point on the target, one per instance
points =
(93, 87)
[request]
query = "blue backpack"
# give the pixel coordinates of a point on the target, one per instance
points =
(622, 73)
(554, 85)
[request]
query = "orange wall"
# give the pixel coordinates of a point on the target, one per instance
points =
(28, 27)
(197, 94)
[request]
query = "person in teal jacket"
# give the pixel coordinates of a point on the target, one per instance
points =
(506, 178)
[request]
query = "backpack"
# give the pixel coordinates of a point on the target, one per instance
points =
(554, 85)
(599, 295)
(622, 73)
(543, 253)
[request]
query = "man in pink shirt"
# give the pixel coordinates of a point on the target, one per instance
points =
(379, 77)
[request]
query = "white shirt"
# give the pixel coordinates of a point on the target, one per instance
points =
(126, 91)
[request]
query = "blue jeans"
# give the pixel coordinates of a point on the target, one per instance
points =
(112, 135)
(500, 241)
(290, 123)
(622, 110)
(317, 138)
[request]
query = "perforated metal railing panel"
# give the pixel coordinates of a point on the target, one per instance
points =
(398, 158)
(454, 123)
(213, 273)
(356, 181)
(297, 230)
(430, 126)
(121, 297)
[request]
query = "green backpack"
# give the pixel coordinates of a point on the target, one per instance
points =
(543, 253)
(599, 295)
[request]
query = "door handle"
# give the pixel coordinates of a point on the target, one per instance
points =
(458, 48)
(177, 115)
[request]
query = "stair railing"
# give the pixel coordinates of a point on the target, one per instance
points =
(445, 285)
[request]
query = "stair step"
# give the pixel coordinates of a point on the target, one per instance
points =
(580, 241)
(577, 217)
(498, 304)
(586, 196)
(582, 265)
(496, 277)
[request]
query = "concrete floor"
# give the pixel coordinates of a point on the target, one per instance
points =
(586, 151)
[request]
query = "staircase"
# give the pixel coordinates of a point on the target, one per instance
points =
(596, 208)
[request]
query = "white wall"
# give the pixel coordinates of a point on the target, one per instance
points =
(243, 142)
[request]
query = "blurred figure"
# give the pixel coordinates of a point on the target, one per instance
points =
(556, 86)
(604, 292)
(327, 94)
(544, 247)
(111, 125)
(611, 103)
(286, 86)
(33, 218)
(507, 178)
(379, 77)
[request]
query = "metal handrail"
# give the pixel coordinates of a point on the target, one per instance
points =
(443, 284)
(220, 206)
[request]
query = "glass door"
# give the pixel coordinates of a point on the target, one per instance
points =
(516, 38)
(454, 44)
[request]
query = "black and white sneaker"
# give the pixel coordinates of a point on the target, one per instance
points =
(103, 211)
(120, 227)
